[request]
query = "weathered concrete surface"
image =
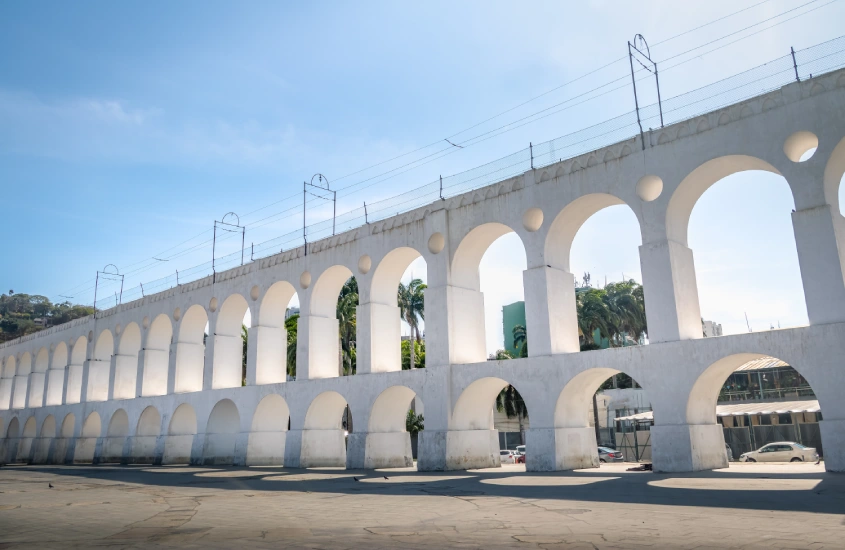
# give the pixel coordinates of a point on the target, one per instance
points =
(745, 506)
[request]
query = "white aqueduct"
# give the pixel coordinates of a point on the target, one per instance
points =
(137, 384)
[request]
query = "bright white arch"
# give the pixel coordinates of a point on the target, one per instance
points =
(56, 375)
(126, 362)
(190, 350)
(271, 336)
(157, 356)
(228, 344)
(221, 433)
(390, 409)
(38, 378)
(99, 367)
(22, 381)
(321, 349)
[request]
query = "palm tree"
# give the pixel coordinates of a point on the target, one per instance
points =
(411, 301)
(593, 314)
(291, 324)
(511, 403)
(245, 338)
(520, 340)
(347, 316)
(627, 307)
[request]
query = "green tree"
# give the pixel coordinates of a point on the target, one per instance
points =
(419, 354)
(520, 340)
(411, 300)
(510, 402)
(22, 314)
(347, 318)
(501, 355)
(245, 338)
(593, 314)
(414, 423)
(291, 324)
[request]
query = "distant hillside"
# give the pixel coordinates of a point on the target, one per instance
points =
(22, 314)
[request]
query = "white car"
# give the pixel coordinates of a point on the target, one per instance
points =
(782, 451)
(507, 457)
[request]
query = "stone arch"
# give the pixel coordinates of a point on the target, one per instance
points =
(380, 325)
(271, 336)
(190, 350)
(48, 427)
(474, 408)
(693, 186)
(29, 427)
(7, 382)
(266, 445)
(228, 345)
(93, 426)
(56, 375)
(24, 368)
(74, 375)
(565, 226)
(468, 332)
(42, 360)
(126, 363)
(38, 378)
(573, 403)
(390, 409)
(184, 421)
(99, 367)
(68, 424)
(118, 424)
(323, 436)
(833, 173)
(149, 423)
(221, 433)
(157, 356)
(14, 429)
(180, 435)
(322, 345)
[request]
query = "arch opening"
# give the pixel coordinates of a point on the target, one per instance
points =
(490, 419)
(754, 404)
(267, 437)
(99, 366)
(56, 375)
(396, 418)
(487, 273)
(273, 340)
(746, 265)
(22, 381)
(221, 433)
(126, 362)
(38, 378)
(392, 323)
(331, 324)
(190, 350)
(74, 374)
(157, 356)
(7, 382)
(230, 344)
(68, 424)
(119, 424)
(146, 434)
(48, 427)
(180, 435)
(327, 424)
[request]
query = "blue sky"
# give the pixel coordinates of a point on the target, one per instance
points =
(127, 128)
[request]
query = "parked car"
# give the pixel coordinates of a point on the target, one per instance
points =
(520, 449)
(507, 456)
(521, 459)
(610, 455)
(782, 451)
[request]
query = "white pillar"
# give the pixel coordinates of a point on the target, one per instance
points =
(550, 311)
(171, 371)
(688, 447)
(454, 326)
(378, 338)
(820, 240)
(671, 292)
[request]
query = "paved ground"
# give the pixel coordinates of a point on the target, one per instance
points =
(745, 506)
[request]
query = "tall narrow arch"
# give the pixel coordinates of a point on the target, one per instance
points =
(321, 350)
(221, 431)
(157, 356)
(267, 437)
(38, 378)
(22, 381)
(56, 375)
(228, 357)
(74, 376)
(180, 435)
(99, 367)
(7, 382)
(126, 363)
(271, 335)
(323, 437)
(190, 350)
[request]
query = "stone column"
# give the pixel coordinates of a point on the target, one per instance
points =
(688, 447)
(112, 376)
(316, 347)
(171, 371)
(671, 292)
(550, 311)
(820, 239)
(266, 355)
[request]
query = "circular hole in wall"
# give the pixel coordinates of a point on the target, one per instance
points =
(800, 146)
